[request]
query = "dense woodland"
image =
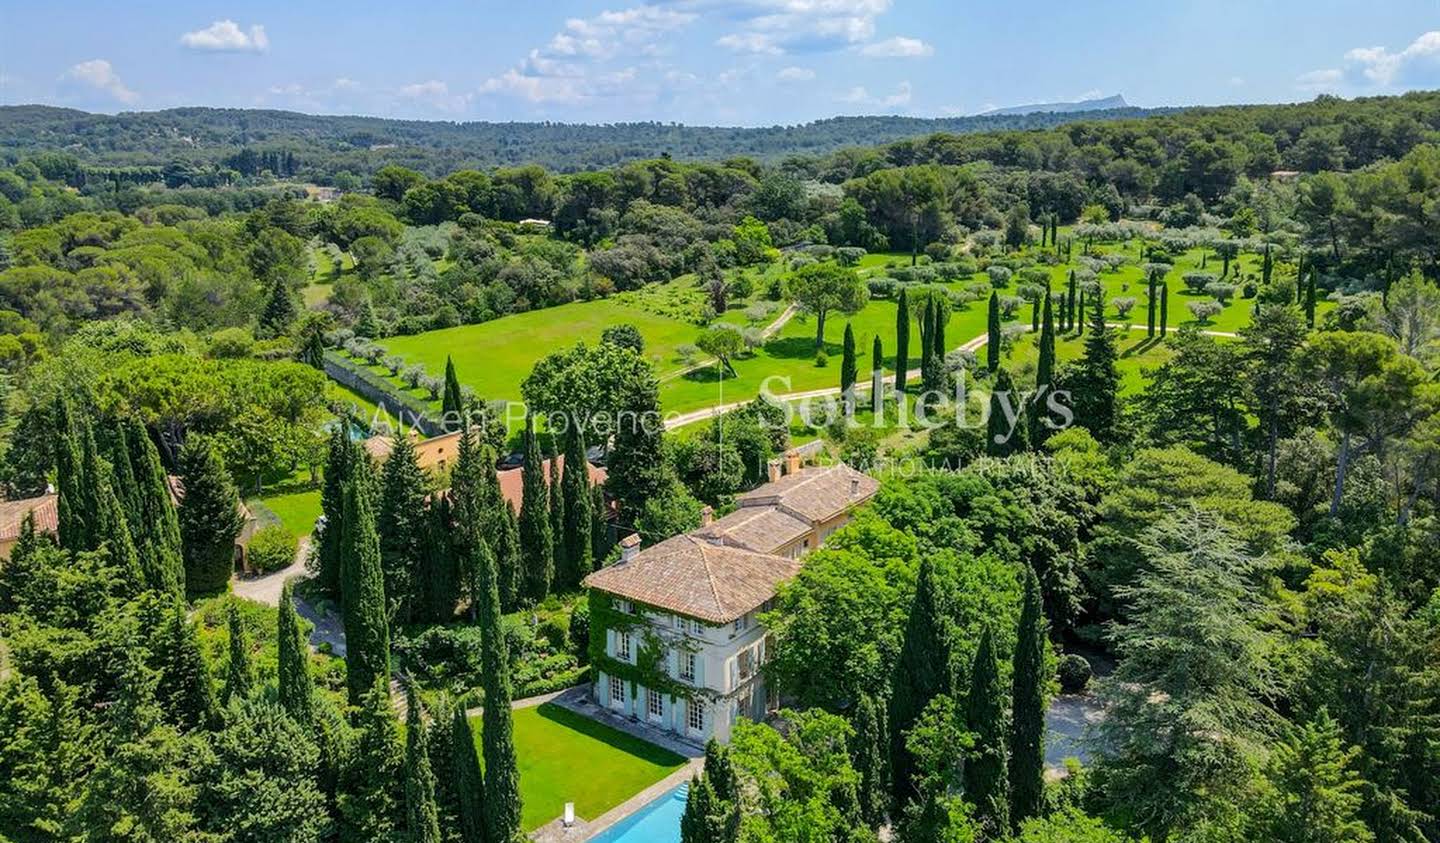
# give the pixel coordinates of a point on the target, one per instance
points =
(1244, 529)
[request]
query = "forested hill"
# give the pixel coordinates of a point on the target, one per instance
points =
(361, 144)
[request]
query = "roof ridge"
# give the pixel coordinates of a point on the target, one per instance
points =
(709, 575)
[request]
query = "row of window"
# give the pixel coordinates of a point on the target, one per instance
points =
(686, 659)
(655, 704)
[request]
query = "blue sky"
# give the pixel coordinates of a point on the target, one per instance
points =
(738, 62)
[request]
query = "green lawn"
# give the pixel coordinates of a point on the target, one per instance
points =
(565, 757)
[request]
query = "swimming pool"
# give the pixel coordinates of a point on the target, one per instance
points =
(657, 822)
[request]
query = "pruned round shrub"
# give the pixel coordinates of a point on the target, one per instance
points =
(271, 549)
(1074, 672)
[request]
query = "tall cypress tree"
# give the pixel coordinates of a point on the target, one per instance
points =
(295, 690)
(441, 745)
(1035, 307)
(536, 543)
(600, 542)
(986, 786)
(74, 525)
(158, 540)
(849, 369)
(210, 519)
(109, 525)
(339, 465)
(1080, 325)
(1027, 707)
(1310, 300)
(502, 777)
(362, 596)
(869, 761)
(992, 339)
(1000, 439)
(877, 377)
(187, 693)
(937, 333)
(1070, 303)
(280, 311)
(922, 672)
(556, 492)
(509, 566)
(469, 503)
(1044, 376)
(439, 581)
(116, 451)
(1164, 308)
(902, 344)
(239, 671)
(469, 782)
(1150, 308)
(452, 404)
(422, 816)
(575, 489)
(371, 803)
(403, 527)
(313, 353)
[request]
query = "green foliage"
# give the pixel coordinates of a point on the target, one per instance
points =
(579, 519)
(986, 785)
(239, 669)
(403, 525)
(1027, 707)
(422, 820)
(800, 784)
(271, 548)
(295, 690)
(210, 519)
(537, 551)
(923, 671)
(372, 786)
(362, 595)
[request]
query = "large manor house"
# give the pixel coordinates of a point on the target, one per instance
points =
(698, 595)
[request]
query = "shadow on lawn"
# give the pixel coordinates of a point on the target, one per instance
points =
(614, 738)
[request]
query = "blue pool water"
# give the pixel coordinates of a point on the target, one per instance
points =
(657, 822)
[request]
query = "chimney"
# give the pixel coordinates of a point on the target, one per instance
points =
(792, 461)
(774, 467)
(854, 486)
(629, 547)
(707, 515)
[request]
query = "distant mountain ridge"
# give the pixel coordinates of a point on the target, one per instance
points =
(1078, 107)
(197, 135)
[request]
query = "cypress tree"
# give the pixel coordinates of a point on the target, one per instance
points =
(1027, 707)
(575, 488)
(849, 369)
(868, 760)
(986, 786)
(313, 354)
(109, 526)
(439, 580)
(469, 781)
(239, 672)
(922, 672)
(937, 333)
(74, 526)
(295, 690)
(536, 542)
(1164, 307)
(1035, 314)
(362, 596)
(452, 404)
(1150, 309)
(1080, 326)
(992, 340)
(877, 377)
(441, 746)
(1000, 439)
(1310, 300)
(468, 507)
(368, 325)
(599, 526)
(371, 792)
(555, 490)
(1070, 303)
(902, 344)
(339, 465)
(1096, 379)
(695, 826)
(280, 311)
(1044, 376)
(402, 526)
(502, 777)
(422, 816)
(510, 568)
(158, 540)
(1266, 266)
(188, 696)
(715, 815)
(210, 519)
(117, 454)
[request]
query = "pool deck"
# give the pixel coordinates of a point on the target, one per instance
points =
(578, 700)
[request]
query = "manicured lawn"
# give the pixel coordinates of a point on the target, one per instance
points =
(565, 757)
(296, 508)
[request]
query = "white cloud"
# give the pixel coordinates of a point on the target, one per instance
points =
(795, 74)
(98, 74)
(592, 57)
(899, 47)
(751, 42)
(1237, 81)
(859, 95)
(773, 27)
(226, 36)
(1318, 80)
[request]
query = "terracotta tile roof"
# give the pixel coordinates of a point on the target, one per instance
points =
(817, 494)
(692, 576)
(512, 482)
(762, 529)
(12, 515)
